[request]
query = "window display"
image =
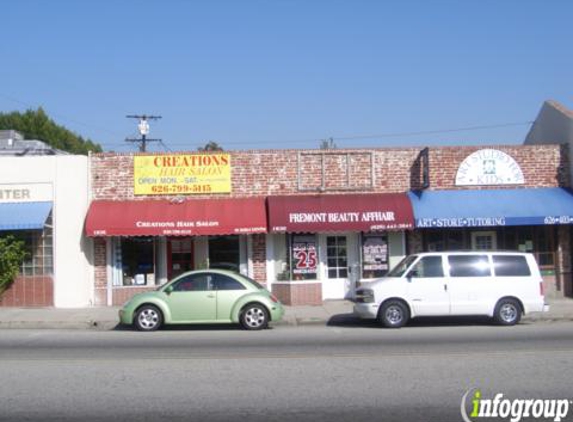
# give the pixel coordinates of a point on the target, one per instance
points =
(137, 261)
(374, 255)
(304, 257)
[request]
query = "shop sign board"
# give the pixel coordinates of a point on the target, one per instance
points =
(29, 192)
(163, 217)
(352, 212)
(493, 221)
(182, 174)
(489, 167)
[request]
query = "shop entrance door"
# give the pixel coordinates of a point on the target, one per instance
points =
(179, 256)
(336, 284)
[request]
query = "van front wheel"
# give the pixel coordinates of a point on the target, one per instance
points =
(394, 314)
(507, 312)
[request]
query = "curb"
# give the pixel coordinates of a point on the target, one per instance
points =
(59, 325)
(106, 325)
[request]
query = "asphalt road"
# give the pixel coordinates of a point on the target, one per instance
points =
(336, 373)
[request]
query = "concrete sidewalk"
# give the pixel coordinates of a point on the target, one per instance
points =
(106, 318)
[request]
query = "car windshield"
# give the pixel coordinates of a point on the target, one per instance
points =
(400, 269)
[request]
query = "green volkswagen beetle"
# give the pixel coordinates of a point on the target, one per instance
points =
(204, 297)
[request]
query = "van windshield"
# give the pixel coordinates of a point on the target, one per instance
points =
(400, 269)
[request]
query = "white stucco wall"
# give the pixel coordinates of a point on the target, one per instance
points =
(68, 175)
(553, 125)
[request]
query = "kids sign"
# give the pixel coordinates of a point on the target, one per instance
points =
(489, 167)
(182, 174)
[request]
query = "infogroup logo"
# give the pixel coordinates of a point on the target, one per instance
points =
(475, 407)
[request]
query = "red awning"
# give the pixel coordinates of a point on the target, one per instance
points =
(355, 212)
(197, 217)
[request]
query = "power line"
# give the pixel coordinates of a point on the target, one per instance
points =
(165, 146)
(432, 132)
(377, 136)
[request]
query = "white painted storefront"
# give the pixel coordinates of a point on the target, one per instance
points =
(63, 180)
(340, 261)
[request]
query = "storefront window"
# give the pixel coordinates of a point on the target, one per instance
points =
(224, 253)
(445, 240)
(39, 245)
(374, 255)
(137, 260)
(303, 256)
(538, 240)
(295, 256)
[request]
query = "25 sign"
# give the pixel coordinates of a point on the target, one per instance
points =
(305, 258)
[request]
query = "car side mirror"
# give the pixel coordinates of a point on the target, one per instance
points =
(168, 290)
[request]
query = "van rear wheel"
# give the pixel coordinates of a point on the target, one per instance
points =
(507, 312)
(394, 314)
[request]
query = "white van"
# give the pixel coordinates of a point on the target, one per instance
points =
(502, 285)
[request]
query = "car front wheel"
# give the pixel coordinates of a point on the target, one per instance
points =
(254, 317)
(148, 318)
(507, 312)
(394, 314)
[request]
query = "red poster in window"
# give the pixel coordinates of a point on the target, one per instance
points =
(304, 255)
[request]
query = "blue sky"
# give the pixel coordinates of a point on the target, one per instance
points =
(255, 74)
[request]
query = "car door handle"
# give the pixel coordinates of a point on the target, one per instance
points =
(445, 287)
(212, 296)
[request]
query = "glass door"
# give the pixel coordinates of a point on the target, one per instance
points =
(225, 253)
(180, 256)
(336, 283)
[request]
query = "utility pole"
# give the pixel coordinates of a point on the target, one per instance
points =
(143, 128)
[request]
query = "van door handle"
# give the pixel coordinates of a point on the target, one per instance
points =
(445, 287)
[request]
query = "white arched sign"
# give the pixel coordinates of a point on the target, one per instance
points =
(489, 167)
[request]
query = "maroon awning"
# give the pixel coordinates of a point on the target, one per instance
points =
(194, 217)
(354, 212)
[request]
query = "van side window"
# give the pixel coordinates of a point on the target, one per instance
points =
(428, 266)
(510, 266)
(469, 266)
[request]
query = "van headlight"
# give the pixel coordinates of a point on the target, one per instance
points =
(365, 296)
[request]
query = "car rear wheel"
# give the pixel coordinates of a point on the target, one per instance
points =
(148, 318)
(507, 312)
(254, 317)
(394, 314)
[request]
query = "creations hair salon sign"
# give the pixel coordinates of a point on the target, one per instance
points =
(489, 167)
(182, 174)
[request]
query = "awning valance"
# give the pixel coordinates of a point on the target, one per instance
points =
(197, 217)
(492, 207)
(353, 212)
(24, 215)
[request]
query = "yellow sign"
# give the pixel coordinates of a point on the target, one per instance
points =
(182, 174)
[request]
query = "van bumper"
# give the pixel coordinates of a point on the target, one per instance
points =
(366, 310)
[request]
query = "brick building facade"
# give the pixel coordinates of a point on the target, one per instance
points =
(335, 255)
